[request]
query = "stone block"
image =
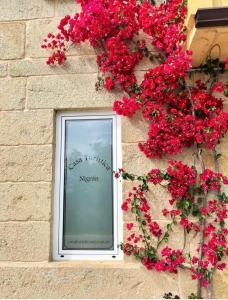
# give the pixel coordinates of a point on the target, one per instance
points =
(38, 67)
(26, 9)
(134, 129)
(142, 164)
(67, 7)
(134, 161)
(223, 163)
(84, 280)
(26, 127)
(37, 30)
(26, 163)
(220, 285)
(25, 201)
(12, 39)
(67, 92)
(24, 241)
(3, 69)
(12, 93)
(187, 285)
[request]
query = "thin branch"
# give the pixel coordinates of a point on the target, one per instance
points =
(200, 70)
(215, 158)
(202, 225)
(185, 239)
(203, 222)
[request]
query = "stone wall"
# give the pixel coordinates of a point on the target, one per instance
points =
(30, 95)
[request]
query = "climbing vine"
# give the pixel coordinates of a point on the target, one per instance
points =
(180, 114)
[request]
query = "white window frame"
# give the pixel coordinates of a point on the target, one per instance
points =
(58, 252)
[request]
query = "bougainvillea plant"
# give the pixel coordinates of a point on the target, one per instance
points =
(180, 114)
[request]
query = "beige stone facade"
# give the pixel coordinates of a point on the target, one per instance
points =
(30, 95)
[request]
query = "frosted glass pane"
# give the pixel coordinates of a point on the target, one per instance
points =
(88, 186)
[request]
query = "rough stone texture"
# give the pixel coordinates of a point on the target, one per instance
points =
(145, 63)
(223, 161)
(74, 65)
(66, 7)
(25, 163)
(69, 91)
(25, 201)
(12, 93)
(83, 281)
(220, 285)
(187, 286)
(26, 9)
(26, 127)
(134, 129)
(3, 69)
(12, 40)
(37, 30)
(24, 241)
(142, 164)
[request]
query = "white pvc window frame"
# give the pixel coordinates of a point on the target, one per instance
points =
(58, 252)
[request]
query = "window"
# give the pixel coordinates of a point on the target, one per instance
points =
(87, 218)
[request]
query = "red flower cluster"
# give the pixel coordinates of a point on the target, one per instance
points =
(182, 180)
(155, 176)
(56, 44)
(164, 23)
(108, 26)
(211, 181)
(214, 250)
(127, 106)
(184, 186)
(177, 116)
(171, 260)
(155, 229)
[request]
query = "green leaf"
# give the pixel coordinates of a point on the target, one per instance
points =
(166, 237)
(192, 296)
(151, 253)
(223, 197)
(187, 256)
(218, 155)
(121, 246)
(165, 175)
(191, 190)
(195, 210)
(138, 99)
(199, 200)
(126, 176)
(181, 82)
(222, 223)
(175, 222)
(186, 204)
(169, 227)
(135, 88)
(169, 118)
